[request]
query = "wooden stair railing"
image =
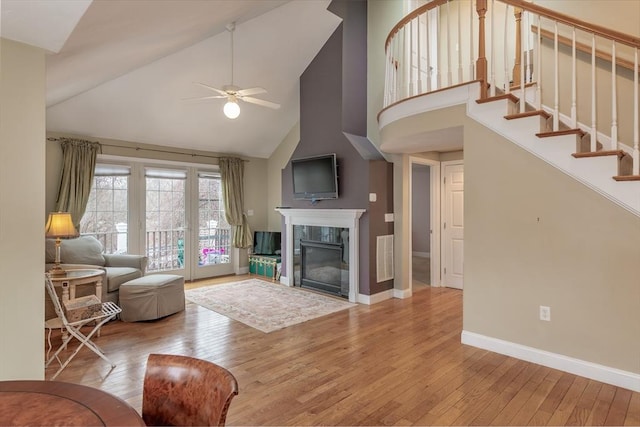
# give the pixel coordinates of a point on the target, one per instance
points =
(421, 60)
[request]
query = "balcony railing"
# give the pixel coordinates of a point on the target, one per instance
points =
(578, 72)
(165, 248)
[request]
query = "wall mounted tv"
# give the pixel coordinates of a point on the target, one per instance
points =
(315, 178)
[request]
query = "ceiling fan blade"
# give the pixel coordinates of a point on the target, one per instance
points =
(220, 91)
(200, 98)
(251, 91)
(261, 102)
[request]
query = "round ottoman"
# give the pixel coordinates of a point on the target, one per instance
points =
(151, 297)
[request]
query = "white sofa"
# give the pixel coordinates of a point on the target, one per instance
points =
(87, 252)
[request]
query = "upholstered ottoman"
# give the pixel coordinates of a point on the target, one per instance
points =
(151, 297)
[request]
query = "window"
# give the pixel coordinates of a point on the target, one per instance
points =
(106, 215)
(174, 214)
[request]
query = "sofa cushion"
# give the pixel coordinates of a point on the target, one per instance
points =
(116, 276)
(81, 250)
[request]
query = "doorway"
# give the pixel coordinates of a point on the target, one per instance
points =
(425, 219)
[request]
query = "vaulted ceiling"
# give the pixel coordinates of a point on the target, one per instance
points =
(123, 69)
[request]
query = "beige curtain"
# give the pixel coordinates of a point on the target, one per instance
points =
(78, 166)
(232, 175)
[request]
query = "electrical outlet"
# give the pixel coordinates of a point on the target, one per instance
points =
(545, 313)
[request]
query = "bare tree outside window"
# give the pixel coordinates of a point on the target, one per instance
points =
(106, 215)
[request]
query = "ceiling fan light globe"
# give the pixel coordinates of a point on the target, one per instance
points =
(231, 109)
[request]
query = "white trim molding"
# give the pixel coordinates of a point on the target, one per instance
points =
(594, 371)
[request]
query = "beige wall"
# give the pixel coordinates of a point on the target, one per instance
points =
(534, 236)
(276, 163)
(22, 212)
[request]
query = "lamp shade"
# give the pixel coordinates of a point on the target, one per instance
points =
(60, 225)
(231, 109)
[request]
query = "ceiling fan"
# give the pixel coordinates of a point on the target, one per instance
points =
(233, 93)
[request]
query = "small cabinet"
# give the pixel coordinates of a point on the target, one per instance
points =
(264, 265)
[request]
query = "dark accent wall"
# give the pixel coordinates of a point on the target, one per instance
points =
(333, 100)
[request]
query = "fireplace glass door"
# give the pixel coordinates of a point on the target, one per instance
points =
(321, 259)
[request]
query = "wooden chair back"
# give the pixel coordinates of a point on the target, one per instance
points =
(185, 391)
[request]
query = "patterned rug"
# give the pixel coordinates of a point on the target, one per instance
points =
(263, 305)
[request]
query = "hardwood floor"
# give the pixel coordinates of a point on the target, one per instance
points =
(399, 362)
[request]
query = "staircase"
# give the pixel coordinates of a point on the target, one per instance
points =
(521, 50)
(609, 172)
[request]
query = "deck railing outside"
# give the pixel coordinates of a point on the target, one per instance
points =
(578, 72)
(165, 248)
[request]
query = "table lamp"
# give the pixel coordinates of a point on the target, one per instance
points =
(59, 225)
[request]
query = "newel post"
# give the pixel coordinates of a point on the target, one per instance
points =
(517, 13)
(481, 63)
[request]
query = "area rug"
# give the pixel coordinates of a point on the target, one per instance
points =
(265, 306)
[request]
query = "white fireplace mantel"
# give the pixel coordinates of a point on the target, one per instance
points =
(343, 218)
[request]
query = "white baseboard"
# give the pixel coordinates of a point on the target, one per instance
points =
(375, 298)
(402, 293)
(594, 371)
(422, 254)
(243, 270)
(284, 280)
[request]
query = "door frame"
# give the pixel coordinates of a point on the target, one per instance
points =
(435, 208)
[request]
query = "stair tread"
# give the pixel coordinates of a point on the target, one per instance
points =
(528, 114)
(600, 153)
(560, 132)
(627, 177)
(510, 96)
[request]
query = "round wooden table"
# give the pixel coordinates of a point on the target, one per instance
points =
(47, 403)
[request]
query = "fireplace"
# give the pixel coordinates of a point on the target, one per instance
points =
(322, 267)
(330, 237)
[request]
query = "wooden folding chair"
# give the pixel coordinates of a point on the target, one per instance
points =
(107, 311)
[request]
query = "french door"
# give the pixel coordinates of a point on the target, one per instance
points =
(172, 214)
(211, 234)
(185, 227)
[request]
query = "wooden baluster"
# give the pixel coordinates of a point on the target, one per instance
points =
(412, 84)
(493, 49)
(449, 73)
(523, 93)
(539, 65)
(437, 44)
(614, 99)
(403, 71)
(429, 67)
(527, 33)
(387, 80)
(471, 61)
(636, 116)
(481, 63)
(396, 79)
(460, 78)
(594, 132)
(420, 83)
(505, 51)
(574, 81)
(556, 78)
(517, 13)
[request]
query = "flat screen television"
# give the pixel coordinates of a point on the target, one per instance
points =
(315, 178)
(267, 242)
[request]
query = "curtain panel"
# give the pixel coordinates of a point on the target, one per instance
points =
(78, 166)
(232, 177)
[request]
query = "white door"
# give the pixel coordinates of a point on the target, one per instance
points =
(453, 225)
